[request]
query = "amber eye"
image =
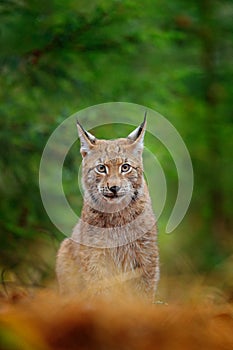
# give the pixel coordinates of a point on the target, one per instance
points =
(100, 168)
(125, 168)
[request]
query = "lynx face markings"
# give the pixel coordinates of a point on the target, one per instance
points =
(113, 178)
(112, 170)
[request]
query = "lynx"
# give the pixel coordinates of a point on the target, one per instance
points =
(115, 240)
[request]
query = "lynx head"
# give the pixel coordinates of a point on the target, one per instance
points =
(112, 170)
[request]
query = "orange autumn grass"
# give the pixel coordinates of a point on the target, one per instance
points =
(46, 321)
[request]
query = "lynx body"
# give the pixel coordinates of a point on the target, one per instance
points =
(115, 240)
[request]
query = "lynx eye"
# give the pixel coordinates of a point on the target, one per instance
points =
(100, 168)
(125, 168)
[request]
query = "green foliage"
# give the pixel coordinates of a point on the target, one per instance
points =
(58, 57)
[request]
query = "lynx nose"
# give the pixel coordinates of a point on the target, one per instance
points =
(114, 189)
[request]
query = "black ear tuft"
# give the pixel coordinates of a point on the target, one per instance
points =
(138, 133)
(90, 137)
(141, 127)
(86, 138)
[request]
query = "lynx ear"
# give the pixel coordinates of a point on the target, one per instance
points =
(87, 140)
(137, 136)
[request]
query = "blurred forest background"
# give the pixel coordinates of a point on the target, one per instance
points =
(60, 56)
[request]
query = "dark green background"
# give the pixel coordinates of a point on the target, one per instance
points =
(58, 57)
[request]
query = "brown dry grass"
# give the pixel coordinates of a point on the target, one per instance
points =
(44, 321)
